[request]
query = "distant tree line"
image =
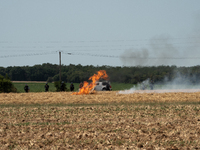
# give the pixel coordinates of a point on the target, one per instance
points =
(78, 73)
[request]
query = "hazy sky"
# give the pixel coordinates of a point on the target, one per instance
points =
(104, 32)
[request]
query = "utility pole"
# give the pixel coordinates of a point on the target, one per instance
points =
(60, 65)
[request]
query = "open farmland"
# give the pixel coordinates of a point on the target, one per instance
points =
(103, 120)
(99, 97)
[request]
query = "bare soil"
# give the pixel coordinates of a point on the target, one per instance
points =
(161, 123)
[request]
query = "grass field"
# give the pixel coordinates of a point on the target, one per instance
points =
(34, 87)
(39, 87)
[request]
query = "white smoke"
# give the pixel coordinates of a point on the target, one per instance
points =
(161, 51)
(179, 83)
(140, 86)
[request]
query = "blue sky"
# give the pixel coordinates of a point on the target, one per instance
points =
(114, 33)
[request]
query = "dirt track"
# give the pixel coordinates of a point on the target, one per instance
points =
(99, 97)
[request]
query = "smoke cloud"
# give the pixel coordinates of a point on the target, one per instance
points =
(179, 83)
(165, 50)
(160, 52)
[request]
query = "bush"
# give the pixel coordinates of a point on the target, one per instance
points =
(57, 84)
(6, 85)
(50, 79)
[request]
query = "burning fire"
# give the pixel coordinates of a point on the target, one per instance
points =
(89, 87)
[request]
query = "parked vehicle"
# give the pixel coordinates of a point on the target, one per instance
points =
(103, 86)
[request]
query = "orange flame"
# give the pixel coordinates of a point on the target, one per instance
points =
(89, 87)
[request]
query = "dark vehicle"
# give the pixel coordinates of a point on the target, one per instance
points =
(103, 86)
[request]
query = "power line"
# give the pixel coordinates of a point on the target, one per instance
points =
(30, 50)
(97, 41)
(33, 54)
(96, 48)
(98, 55)
(131, 57)
(92, 46)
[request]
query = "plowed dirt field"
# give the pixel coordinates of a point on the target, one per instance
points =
(103, 120)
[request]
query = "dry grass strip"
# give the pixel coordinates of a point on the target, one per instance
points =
(98, 97)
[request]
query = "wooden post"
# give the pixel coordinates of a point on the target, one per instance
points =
(60, 65)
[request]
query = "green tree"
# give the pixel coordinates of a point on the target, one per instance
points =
(6, 85)
(57, 84)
